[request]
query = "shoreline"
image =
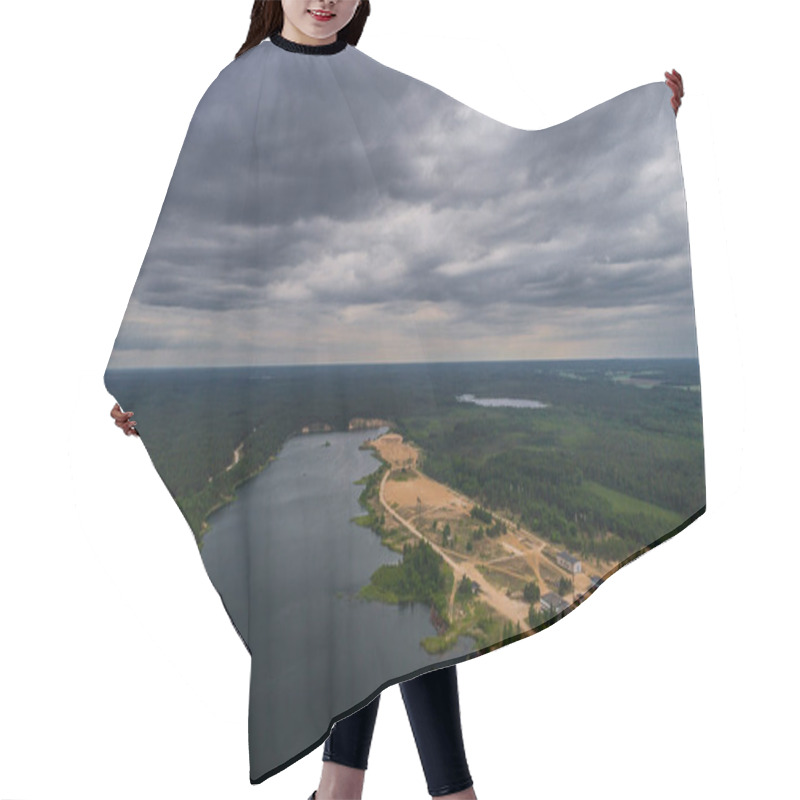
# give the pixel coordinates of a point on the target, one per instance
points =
(489, 615)
(356, 423)
(419, 504)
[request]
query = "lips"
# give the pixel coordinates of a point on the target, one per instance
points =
(321, 15)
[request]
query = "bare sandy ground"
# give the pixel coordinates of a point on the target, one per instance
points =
(237, 454)
(417, 501)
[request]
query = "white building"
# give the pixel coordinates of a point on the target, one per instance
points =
(568, 562)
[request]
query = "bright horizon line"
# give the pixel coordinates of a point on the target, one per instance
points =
(411, 363)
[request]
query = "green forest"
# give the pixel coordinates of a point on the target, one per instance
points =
(605, 468)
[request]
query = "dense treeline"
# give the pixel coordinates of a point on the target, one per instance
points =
(482, 514)
(545, 488)
(662, 470)
(420, 577)
(538, 463)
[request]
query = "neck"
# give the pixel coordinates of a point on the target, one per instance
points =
(293, 34)
(330, 47)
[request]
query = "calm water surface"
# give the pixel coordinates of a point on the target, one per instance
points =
(500, 402)
(288, 562)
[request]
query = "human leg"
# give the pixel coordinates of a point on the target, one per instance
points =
(346, 754)
(432, 705)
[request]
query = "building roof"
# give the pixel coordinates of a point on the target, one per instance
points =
(555, 601)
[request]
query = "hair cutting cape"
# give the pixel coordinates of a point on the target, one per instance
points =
(419, 381)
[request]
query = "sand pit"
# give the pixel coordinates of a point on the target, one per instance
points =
(426, 507)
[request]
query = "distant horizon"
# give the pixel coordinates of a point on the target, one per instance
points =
(407, 363)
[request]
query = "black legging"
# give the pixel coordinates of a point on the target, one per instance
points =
(432, 705)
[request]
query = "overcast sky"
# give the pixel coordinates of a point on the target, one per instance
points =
(327, 209)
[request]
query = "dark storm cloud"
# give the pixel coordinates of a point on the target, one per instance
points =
(405, 197)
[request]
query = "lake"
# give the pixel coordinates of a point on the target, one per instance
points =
(288, 562)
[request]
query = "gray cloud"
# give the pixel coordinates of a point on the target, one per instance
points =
(320, 198)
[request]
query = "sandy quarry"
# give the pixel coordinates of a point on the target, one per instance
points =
(417, 501)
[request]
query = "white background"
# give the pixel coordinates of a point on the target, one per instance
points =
(120, 673)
